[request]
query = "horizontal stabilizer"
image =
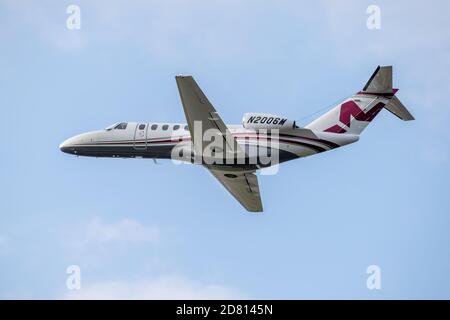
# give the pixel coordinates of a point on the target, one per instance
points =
(396, 107)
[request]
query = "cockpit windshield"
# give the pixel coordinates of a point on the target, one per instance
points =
(117, 126)
(121, 126)
(108, 128)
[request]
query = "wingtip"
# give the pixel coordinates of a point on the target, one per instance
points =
(179, 76)
(255, 210)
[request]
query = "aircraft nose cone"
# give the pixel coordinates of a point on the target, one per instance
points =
(68, 146)
(73, 144)
(64, 147)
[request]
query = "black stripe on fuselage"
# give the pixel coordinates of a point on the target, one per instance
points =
(155, 152)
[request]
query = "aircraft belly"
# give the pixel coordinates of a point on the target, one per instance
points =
(128, 151)
(281, 152)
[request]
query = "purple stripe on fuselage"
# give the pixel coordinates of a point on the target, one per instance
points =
(237, 135)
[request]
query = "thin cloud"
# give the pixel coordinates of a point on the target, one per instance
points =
(167, 287)
(96, 241)
(123, 231)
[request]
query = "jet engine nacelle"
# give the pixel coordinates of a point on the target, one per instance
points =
(266, 121)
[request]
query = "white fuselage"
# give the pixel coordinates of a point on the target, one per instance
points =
(160, 140)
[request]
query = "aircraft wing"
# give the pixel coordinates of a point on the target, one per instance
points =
(198, 109)
(243, 185)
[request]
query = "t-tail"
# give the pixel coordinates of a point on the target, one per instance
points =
(355, 113)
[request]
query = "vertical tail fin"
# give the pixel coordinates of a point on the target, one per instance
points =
(380, 81)
(355, 113)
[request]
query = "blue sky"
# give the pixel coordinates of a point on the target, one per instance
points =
(139, 230)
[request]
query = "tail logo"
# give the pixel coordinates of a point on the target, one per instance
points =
(350, 109)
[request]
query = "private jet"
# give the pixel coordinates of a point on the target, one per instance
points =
(234, 153)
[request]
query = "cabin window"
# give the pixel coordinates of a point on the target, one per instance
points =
(154, 126)
(141, 126)
(165, 127)
(186, 128)
(176, 127)
(121, 126)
